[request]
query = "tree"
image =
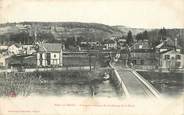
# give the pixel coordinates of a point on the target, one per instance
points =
(139, 36)
(142, 36)
(48, 37)
(129, 39)
(70, 42)
(79, 40)
(162, 34)
(145, 35)
(22, 37)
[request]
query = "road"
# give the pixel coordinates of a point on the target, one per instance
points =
(135, 84)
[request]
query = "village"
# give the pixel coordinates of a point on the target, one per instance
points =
(166, 56)
(47, 56)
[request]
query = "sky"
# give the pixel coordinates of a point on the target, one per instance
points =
(131, 13)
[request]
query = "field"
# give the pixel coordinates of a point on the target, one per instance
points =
(78, 60)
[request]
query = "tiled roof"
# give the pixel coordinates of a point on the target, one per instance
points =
(17, 45)
(169, 43)
(141, 45)
(50, 47)
(108, 41)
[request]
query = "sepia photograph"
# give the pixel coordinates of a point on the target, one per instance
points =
(65, 57)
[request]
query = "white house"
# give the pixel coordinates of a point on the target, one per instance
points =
(3, 47)
(4, 61)
(15, 49)
(49, 54)
(110, 44)
(171, 59)
(28, 49)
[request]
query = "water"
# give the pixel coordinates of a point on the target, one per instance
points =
(98, 89)
(54, 84)
(168, 84)
(62, 90)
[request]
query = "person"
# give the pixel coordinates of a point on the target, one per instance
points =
(131, 65)
(106, 76)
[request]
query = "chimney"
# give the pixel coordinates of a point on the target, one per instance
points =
(175, 42)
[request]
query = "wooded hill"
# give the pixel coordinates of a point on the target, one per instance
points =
(61, 31)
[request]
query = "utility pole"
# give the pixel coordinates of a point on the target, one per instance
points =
(89, 60)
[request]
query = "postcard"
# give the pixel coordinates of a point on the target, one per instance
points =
(91, 57)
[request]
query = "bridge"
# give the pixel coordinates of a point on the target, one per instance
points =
(132, 84)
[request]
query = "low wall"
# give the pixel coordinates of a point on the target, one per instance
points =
(116, 80)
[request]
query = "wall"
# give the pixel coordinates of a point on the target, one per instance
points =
(55, 58)
(169, 63)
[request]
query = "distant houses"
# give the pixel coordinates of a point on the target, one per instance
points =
(90, 43)
(15, 49)
(143, 55)
(18, 49)
(165, 56)
(121, 43)
(49, 54)
(29, 49)
(46, 55)
(109, 44)
(4, 61)
(3, 47)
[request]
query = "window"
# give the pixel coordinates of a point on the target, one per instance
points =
(142, 62)
(134, 62)
(167, 57)
(54, 55)
(41, 56)
(48, 58)
(178, 57)
(178, 64)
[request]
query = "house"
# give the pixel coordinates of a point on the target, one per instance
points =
(93, 43)
(3, 47)
(49, 54)
(171, 60)
(142, 54)
(4, 61)
(15, 49)
(167, 45)
(109, 44)
(169, 54)
(23, 27)
(28, 49)
(121, 43)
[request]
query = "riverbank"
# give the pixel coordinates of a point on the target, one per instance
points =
(50, 83)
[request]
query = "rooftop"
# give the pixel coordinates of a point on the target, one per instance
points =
(108, 41)
(141, 45)
(168, 43)
(50, 47)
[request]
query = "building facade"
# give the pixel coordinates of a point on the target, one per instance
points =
(109, 44)
(171, 60)
(15, 49)
(143, 55)
(49, 54)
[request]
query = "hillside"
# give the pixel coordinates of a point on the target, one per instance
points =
(134, 31)
(60, 30)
